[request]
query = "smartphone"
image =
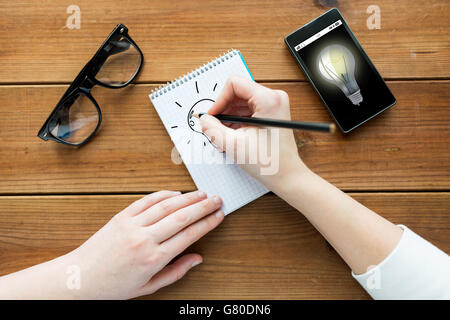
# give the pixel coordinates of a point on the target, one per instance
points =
(339, 70)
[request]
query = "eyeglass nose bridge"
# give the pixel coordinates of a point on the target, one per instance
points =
(87, 84)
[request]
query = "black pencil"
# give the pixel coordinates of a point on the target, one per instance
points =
(312, 126)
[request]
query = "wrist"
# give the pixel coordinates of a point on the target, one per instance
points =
(62, 278)
(290, 178)
(79, 283)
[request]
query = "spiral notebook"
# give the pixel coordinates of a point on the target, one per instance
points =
(211, 170)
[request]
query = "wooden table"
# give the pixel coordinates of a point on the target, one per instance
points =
(54, 197)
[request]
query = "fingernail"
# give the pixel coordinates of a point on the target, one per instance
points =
(177, 192)
(219, 214)
(216, 199)
(196, 263)
(201, 194)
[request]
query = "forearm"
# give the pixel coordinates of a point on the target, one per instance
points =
(47, 280)
(360, 236)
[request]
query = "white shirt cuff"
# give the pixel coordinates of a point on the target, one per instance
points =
(415, 269)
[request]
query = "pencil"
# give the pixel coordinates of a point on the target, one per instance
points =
(312, 126)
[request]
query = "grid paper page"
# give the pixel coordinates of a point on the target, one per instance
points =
(212, 171)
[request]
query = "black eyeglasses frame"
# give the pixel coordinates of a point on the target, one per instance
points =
(86, 80)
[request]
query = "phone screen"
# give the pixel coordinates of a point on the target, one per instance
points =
(343, 75)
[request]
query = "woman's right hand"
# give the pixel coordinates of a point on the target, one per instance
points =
(244, 97)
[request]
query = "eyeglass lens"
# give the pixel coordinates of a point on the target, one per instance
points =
(76, 120)
(122, 63)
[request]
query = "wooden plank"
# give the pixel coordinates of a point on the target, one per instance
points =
(265, 250)
(406, 148)
(177, 35)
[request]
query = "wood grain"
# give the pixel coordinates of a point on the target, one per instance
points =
(177, 35)
(265, 250)
(406, 148)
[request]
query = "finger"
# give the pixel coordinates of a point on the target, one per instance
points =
(235, 126)
(172, 224)
(183, 239)
(236, 87)
(171, 273)
(238, 110)
(168, 206)
(219, 134)
(149, 200)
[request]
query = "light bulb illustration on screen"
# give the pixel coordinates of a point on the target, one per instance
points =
(337, 65)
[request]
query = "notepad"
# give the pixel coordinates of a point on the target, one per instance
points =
(211, 170)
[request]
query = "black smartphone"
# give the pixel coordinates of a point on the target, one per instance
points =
(339, 70)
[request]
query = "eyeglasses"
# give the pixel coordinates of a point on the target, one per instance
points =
(77, 116)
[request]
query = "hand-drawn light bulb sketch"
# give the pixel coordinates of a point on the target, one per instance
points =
(337, 65)
(202, 105)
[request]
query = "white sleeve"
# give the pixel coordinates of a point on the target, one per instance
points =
(415, 269)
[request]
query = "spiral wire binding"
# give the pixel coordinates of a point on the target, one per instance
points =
(162, 89)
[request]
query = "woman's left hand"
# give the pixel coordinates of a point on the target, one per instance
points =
(129, 256)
